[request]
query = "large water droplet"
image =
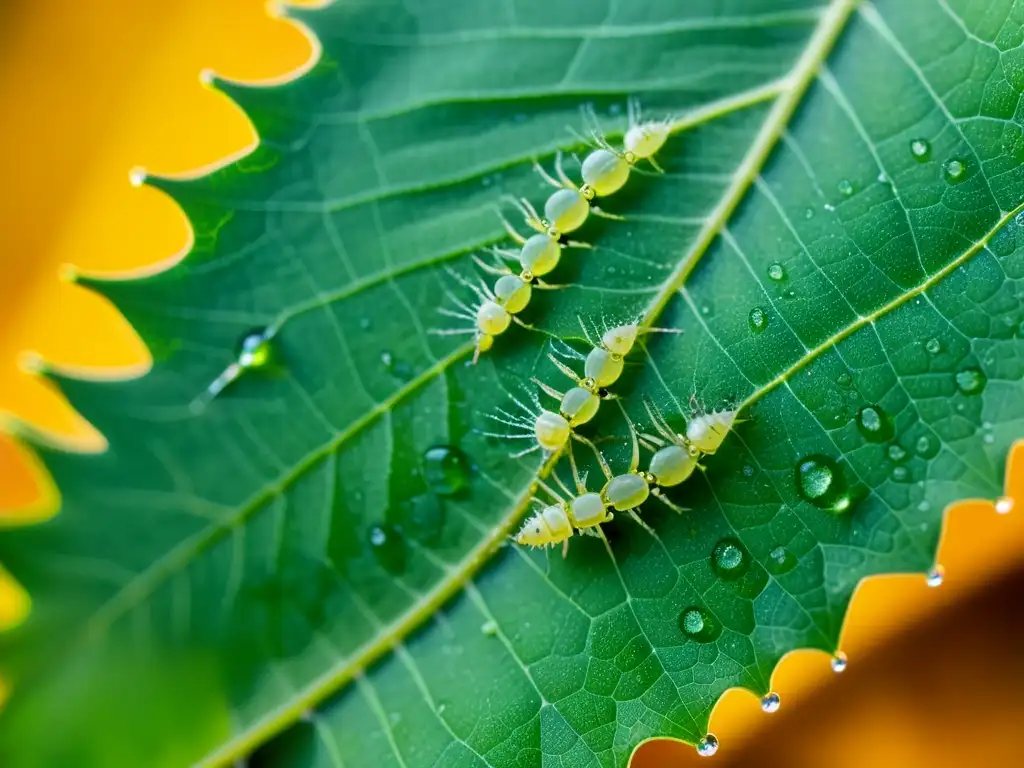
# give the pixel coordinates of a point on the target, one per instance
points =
(780, 561)
(697, 624)
(758, 319)
(933, 346)
(935, 576)
(1004, 505)
(255, 350)
(820, 481)
(920, 149)
(707, 746)
(446, 469)
(970, 381)
(388, 547)
(729, 560)
(874, 424)
(954, 171)
(771, 702)
(776, 271)
(845, 187)
(839, 662)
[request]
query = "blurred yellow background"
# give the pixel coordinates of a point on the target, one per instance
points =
(89, 89)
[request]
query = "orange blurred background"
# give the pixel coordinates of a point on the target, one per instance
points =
(90, 89)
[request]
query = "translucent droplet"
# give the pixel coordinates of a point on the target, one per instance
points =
(820, 481)
(933, 346)
(883, 178)
(771, 702)
(729, 560)
(809, 213)
(839, 662)
(1004, 505)
(845, 188)
(776, 271)
(955, 171)
(829, 207)
(707, 746)
(780, 561)
(844, 379)
(446, 469)
(489, 628)
(920, 149)
(935, 576)
(900, 474)
(924, 505)
(255, 350)
(874, 424)
(388, 547)
(699, 625)
(896, 453)
(748, 471)
(924, 444)
(386, 359)
(758, 319)
(970, 381)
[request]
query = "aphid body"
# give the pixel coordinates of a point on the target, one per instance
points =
(675, 457)
(707, 431)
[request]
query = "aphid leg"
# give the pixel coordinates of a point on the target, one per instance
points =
(477, 348)
(657, 493)
(552, 492)
(577, 244)
(565, 549)
(605, 214)
(634, 462)
(564, 350)
(633, 111)
(549, 390)
(470, 312)
(659, 421)
(581, 484)
(523, 324)
(538, 168)
(484, 293)
(650, 442)
(512, 231)
(491, 269)
(524, 452)
(542, 286)
(564, 368)
(530, 215)
(560, 170)
(586, 332)
(460, 315)
(654, 164)
(641, 523)
(565, 489)
(600, 459)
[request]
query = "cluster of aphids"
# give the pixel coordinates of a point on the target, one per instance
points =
(605, 170)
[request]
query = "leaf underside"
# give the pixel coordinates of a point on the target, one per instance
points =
(237, 539)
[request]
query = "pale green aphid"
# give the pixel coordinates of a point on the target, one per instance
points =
(605, 172)
(707, 431)
(549, 431)
(675, 457)
(577, 405)
(490, 317)
(644, 139)
(605, 362)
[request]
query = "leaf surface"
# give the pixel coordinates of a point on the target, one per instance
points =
(835, 236)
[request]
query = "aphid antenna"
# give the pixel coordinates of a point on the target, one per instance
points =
(562, 349)
(565, 489)
(524, 452)
(634, 462)
(501, 254)
(512, 231)
(482, 291)
(659, 421)
(580, 138)
(560, 171)
(547, 389)
(650, 442)
(530, 216)
(460, 315)
(586, 332)
(460, 304)
(605, 469)
(552, 492)
(450, 331)
(633, 111)
(637, 519)
(491, 269)
(509, 420)
(531, 412)
(660, 496)
(548, 178)
(565, 369)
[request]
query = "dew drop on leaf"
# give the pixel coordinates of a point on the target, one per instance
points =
(255, 350)
(771, 702)
(365, 323)
(446, 469)
(935, 576)
(844, 379)
(839, 662)
(388, 547)
(874, 424)
(809, 213)
(924, 445)
(729, 560)
(845, 188)
(933, 346)
(970, 381)
(820, 481)
(954, 171)
(920, 149)
(896, 453)
(758, 319)
(776, 272)
(707, 746)
(1004, 505)
(780, 561)
(697, 624)
(489, 628)
(900, 474)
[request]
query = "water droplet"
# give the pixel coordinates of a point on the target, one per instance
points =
(771, 702)
(924, 505)
(920, 149)
(748, 471)
(923, 444)
(489, 628)
(829, 207)
(883, 178)
(820, 481)
(933, 346)
(707, 746)
(758, 319)
(874, 424)
(386, 359)
(789, 295)
(699, 625)
(809, 213)
(935, 576)
(900, 474)
(729, 560)
(955, 171)
(896, 453)
(388, 547)
(776, 272)
(839, 662)
(970, 381)
(844, 379)
(255, 350)
(1004, 505)
(780, 561)
(615, 109)
(446, 469)
(422, 518)
(845, 188)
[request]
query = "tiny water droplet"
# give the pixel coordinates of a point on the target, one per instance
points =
(920, 149)
(933, 346)
(1004, 505)
(896, 453)
(489, 628)
(900, 474)
(255, 350)
(697, 624)
(386, 359)
(819, 480)
(883, 178)
(748, 471)
(707, 746)
(789, 295)
(844, 379)
(839, 662)
(924, 505)
(615, 109)
(729, 560)
(970, 381)
(829, 207)
(874, 424)
(365, 323)
(776, 272)
(758, 319)
(924, 444)
(845, 188)
(388, 547)
(780, 560)
(955, 171)
(445, 469)
(809, 213)
(935, 576)
(771, 702)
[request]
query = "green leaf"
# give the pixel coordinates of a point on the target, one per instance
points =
(840, 200)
